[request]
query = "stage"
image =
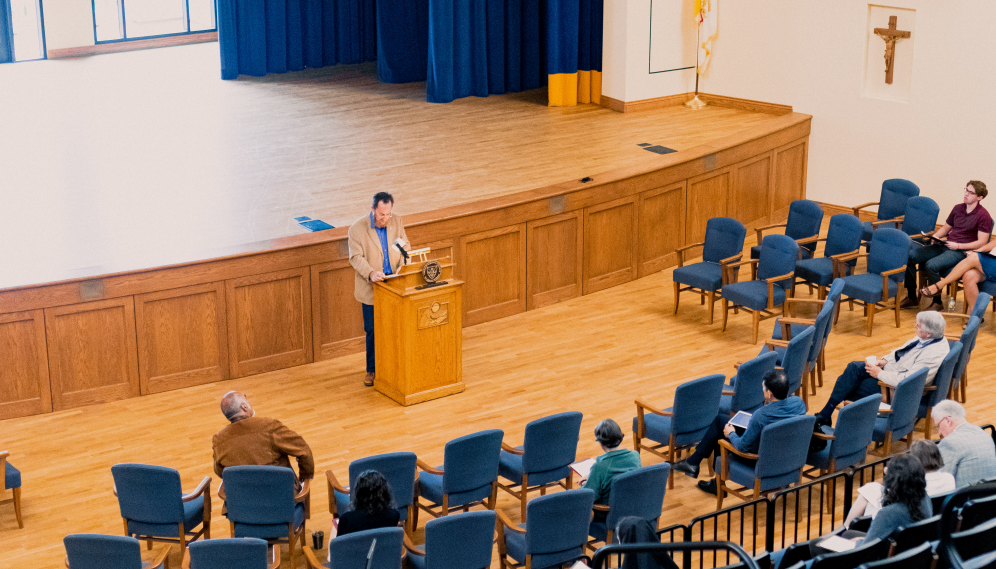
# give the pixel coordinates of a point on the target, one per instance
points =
(135, 160)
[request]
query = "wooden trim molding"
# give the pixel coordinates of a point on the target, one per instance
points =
(679, 99)
(134, 45)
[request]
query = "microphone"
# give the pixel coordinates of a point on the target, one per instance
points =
(399, 244)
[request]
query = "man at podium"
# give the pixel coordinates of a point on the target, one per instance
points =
(373, 254)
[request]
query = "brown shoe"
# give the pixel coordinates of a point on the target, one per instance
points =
(369, 380)
(910, 302)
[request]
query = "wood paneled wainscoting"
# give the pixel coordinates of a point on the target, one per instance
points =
(289, 301)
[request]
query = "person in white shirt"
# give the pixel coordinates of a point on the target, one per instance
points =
(939, 483)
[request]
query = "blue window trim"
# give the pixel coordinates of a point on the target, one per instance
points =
(123, 22)
(41, 26)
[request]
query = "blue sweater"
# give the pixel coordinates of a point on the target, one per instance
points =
(893, 517)
(787, 408)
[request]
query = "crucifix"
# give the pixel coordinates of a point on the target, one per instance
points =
(890, 35)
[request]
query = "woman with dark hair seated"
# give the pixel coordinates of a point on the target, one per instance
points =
(614, 462)
(371, 505)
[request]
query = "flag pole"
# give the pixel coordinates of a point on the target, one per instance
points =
(697, 103)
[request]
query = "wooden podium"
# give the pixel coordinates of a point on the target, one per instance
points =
(418, 335)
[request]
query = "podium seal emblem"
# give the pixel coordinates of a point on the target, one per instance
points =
(431, 272)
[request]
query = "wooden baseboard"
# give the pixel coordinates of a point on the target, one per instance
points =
(135, 45)
(674, 100)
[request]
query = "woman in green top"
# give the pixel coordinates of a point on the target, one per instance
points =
(615, 461)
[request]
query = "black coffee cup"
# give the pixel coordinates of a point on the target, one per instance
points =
(318, 539)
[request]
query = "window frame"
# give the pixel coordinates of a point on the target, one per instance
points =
(123, 22)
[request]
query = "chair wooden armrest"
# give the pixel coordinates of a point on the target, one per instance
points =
(730, 259)
(885, 282)
(641, 404)
(411, 547)
(309, 555)
(202, 489)
(771, 287)
(894, 220)
(723, 263)
(824, 436)
(745, 262)
(728, 446)
(956, 315)
(426, 467)
(725, 392)
(508, 523)
(759, 231)
(680, 251)
(807, 240)
(773, 280)
(930, 388)
(806, 321)
(885, 411)
(843, 257)
(792, 300)
(161, 559)
(334, 483)
(275, 557)
(305, 491)
(775, 344)
(508, 448)
(600, 507)
(858, 208)
(727, 273)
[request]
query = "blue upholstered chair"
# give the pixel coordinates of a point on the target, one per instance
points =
(350, 551)
(843, 238)
(637, 493)
(745, 391)
(548, 449)
(920, 217)
(959, 379)
(399, 470)
(920, 557)
(938, 390)
(155, 508)
(795, 359)
(899, 420)
(783, 326)
(778, 463)
(262, 503)
(458, 542)
(556, 532)
(803, 224)
(773, 280)
(849, 440)
(724, 244)
(788, 327)
(469, 475)
(681, 426)
(891, 203)
(93, 551)
(890, 248)
(244, 553)
(12, 481)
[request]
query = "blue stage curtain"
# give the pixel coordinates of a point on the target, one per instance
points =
(6, 33)
(458, 50)
(257, 37)
(402, 40)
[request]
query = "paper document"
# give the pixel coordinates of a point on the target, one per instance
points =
(583, 467)
(884, 407)
(838, 544)
(580, 565)
(741, 419)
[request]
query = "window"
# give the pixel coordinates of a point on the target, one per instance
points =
(120, 20)
(26, 23)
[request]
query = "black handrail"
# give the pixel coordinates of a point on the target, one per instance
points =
(949, 519)
(803, 494)
(728, 513)
(598, 560)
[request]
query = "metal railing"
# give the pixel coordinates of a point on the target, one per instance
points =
(809, 510)
(737, 524)
(599, 560)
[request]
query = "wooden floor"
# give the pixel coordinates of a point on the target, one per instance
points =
(146, 158)
(594, 354)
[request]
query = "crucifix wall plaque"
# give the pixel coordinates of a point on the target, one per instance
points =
(891, 35)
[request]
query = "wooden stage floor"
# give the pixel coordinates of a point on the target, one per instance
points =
(141, 159)
(595, 354)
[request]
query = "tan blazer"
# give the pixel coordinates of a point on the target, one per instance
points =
(366, 256)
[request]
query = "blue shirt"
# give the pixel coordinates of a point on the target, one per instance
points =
(382, 235)
(772, 412)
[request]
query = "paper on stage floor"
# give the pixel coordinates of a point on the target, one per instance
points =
(583, 467)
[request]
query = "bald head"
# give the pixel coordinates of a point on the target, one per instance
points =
(235, 406)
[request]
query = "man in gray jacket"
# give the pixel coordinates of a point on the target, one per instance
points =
(968, 452)
(860, 379)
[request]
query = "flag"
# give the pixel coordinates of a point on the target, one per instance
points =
(707, 18)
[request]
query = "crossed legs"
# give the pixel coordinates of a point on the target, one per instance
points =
(969, 270)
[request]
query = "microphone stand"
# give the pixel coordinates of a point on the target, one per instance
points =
(697, 103)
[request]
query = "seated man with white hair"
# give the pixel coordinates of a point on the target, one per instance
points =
(968, 452)
(860, 379)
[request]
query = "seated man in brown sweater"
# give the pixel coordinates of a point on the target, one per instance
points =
(258, 440)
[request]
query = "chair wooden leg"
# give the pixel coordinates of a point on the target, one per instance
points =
(870, 308)
(677, 293)
(812, 378)
(720, 491)
(928, 426)
(896, 309)
(726, 312)
(290, 548)
(821, 293)
(757, 322)
(712, 304)
(494, 496)
(522, 498)
(670, 460)
(17, 507)
(888, 444)
(964, 386)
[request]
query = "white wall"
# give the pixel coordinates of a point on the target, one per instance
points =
(811, 54)
(68, 23)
